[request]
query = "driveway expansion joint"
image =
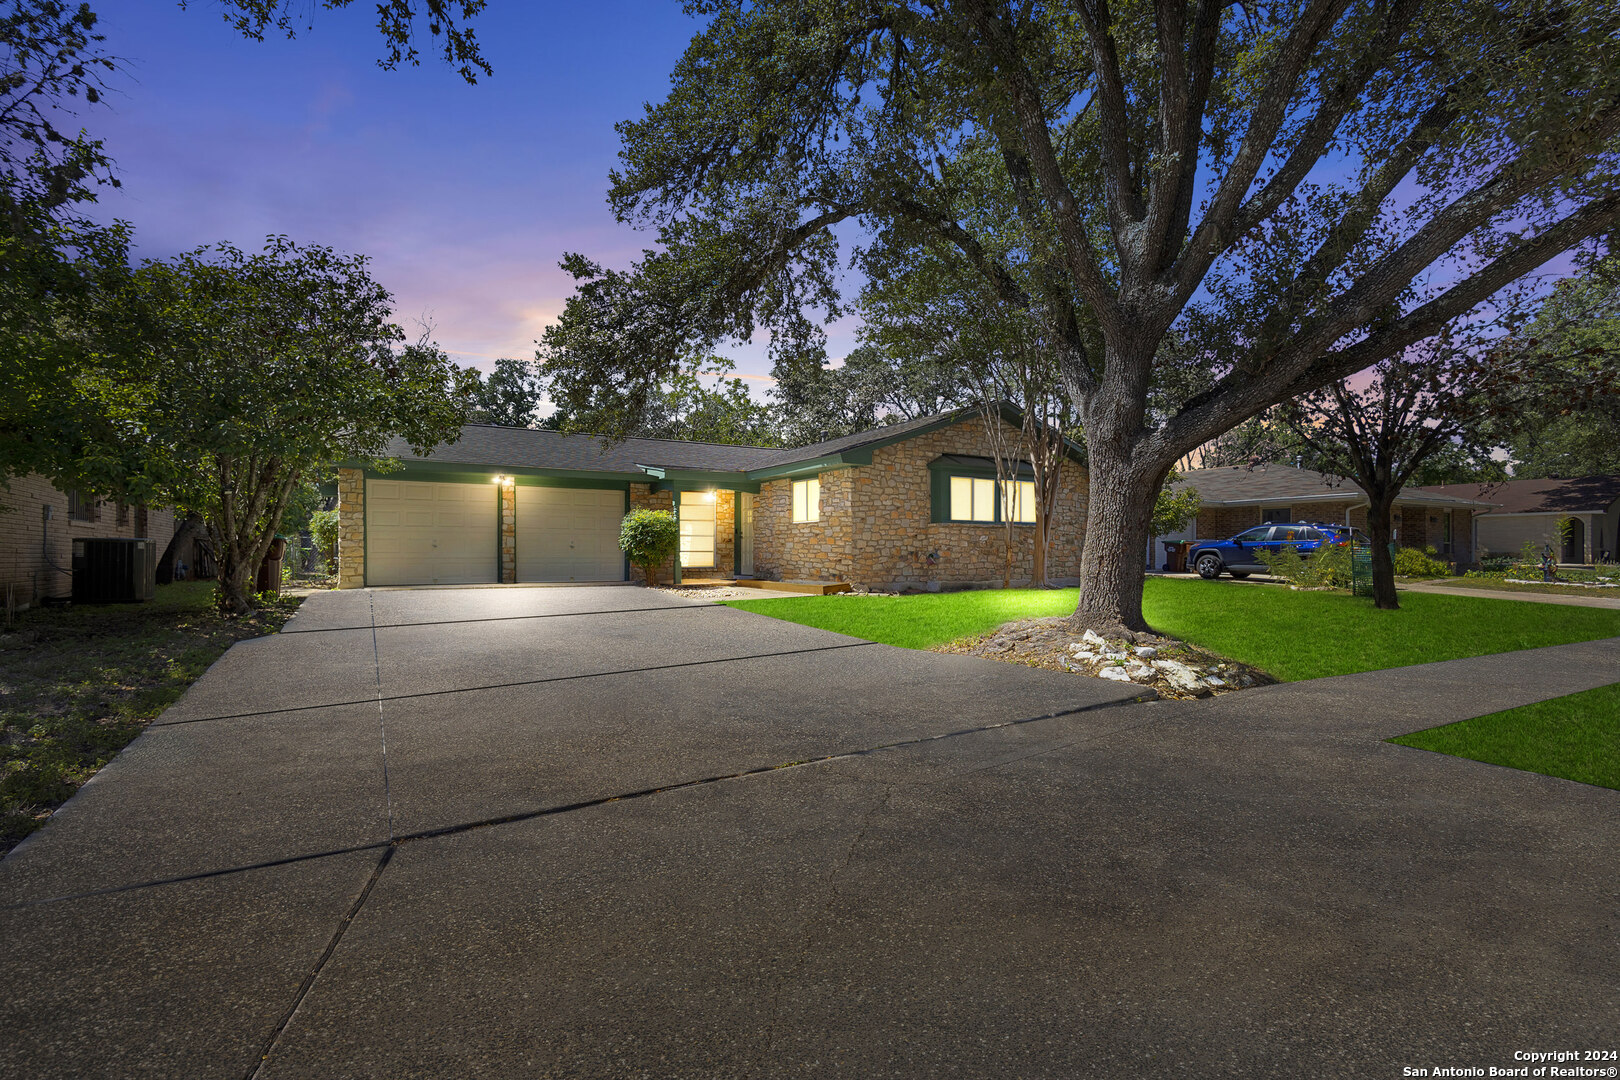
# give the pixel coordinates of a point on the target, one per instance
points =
(511, 685)
(586, 804)
(501, 618)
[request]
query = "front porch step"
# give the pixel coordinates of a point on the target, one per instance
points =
(810, 588)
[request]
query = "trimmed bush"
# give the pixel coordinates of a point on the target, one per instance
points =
(1410, 562)
(648, 539)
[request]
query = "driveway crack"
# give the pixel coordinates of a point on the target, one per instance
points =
(320, 964)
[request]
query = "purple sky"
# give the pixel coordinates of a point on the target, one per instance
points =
(464, 196)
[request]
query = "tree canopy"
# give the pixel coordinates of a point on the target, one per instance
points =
(1289, 191)
(256, 371)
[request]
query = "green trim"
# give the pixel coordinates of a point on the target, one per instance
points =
(939, 494)
(800, 469)
(736, 530)
(500, 568)
(675, 505)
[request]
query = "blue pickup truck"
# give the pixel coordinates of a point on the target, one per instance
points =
(1240, 555)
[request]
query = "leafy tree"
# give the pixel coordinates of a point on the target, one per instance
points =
(1452, 393)
(649, 539)
(679, 408)
(1176, 506)
(509, 395)
(1260, 183)
(398, 22)
(816, 401)
(259, 371)
(1571, 429)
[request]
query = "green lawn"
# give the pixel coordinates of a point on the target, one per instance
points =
(1291, 635)
(77, 684)
(1575, 737)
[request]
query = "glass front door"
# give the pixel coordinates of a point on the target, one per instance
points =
(745, 530)
(697, 529)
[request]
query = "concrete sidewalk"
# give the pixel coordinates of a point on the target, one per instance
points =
(705, 844)
(1592, 598)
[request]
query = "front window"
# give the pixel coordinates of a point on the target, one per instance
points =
(972, 499)
(1277, 513)
(1019, 505)
(1255, 536)
(807, 500)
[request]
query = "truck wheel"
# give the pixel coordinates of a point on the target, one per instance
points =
(1208, 566)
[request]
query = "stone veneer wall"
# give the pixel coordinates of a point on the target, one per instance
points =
(642, 497)
(351, 528)
(875, 526)
(508, 533)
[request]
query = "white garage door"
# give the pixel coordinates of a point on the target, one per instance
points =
(569, 534)
(430, 533)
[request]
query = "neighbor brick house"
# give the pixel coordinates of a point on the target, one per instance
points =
(1238, 498)
(908, 505)
(1530, 512)
(39, 522)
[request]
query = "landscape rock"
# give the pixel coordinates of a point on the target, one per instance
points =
(1114, 674)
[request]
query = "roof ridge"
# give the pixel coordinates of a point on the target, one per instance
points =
(627, 438)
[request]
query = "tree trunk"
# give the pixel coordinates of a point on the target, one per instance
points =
(1383, 564)
(184, 537)
(1037, 559)
(235, 573)
(1117, 518)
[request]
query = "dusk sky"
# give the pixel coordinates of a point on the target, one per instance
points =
(464, 196)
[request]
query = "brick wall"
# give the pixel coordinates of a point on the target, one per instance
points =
(351, 528)
(875, 526)
(29, 544)
(1219, 522)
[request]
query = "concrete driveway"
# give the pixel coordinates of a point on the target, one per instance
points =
(607, 832)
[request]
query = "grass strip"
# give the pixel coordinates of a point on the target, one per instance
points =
(1290, 635)
(1574, 738)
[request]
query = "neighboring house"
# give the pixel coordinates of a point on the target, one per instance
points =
(1529, 511)
(1237, 498)
(911, 505)
(40, 523)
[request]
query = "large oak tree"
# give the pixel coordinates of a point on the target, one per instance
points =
(1291, 191)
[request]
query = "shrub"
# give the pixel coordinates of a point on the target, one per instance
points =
(323, 526)
(1329, 566)
(649, 538)
(1410, 562)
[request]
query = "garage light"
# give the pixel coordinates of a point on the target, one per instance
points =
(711, 496)
(498, 479)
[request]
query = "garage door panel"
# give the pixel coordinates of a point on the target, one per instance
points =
(430, 533)
(569, 534)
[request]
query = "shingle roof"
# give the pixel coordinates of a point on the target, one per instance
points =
(1583, 495)
(1284, 483)
(532, 448)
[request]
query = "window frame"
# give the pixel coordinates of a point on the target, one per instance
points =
(810, 507)
(944, 474)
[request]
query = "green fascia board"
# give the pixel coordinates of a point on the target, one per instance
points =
(462, 472)
(859, 456)
(982, 472)
(700, 480)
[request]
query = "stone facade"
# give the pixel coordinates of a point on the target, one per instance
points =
(642, 497)
(35, 552)
(351, 528)
(508, 532)
(875, 524)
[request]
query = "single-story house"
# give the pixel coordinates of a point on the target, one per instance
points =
(39, 522)
(909, 505)
(1529, 511)
(1237, 498)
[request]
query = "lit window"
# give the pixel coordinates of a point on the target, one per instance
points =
(1019, 506)
(697, 528)
(972, 499)
(807, 500)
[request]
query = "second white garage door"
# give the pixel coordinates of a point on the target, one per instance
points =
(569, 534)
(430, 533)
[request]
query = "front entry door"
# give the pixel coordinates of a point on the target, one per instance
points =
(745, 534)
